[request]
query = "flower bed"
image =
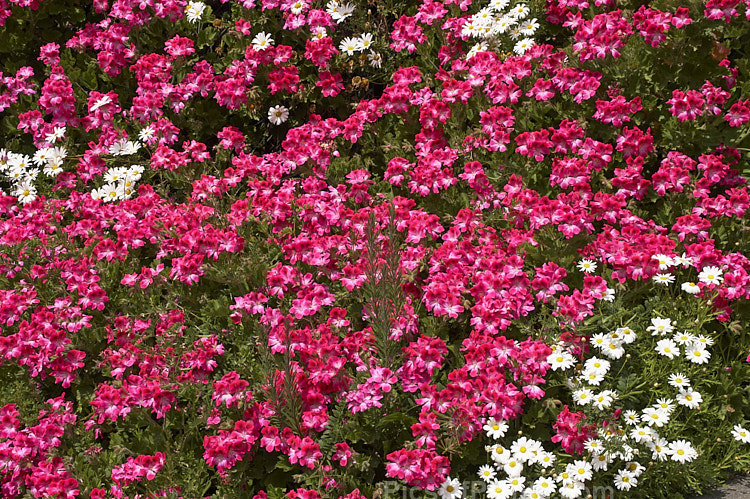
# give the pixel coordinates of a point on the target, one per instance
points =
(319, 249)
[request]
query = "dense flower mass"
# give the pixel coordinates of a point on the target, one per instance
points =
(308, 249)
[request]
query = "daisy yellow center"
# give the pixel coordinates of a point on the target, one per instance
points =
(495, 427)
(680, 452)
(625, 479)
(689, 398)
(449, 488)
(523, 449)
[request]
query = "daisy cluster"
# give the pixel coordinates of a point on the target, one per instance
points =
(514, 467)
(497, 23)
(594, 389)
(708, 277)
(23, 170)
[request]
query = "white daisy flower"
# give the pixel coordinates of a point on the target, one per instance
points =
(523, 449)
(375, 59)
(517, 483)
(495, 429)
(660, 326)
(587, 266)
(689, 398)
(486, 473)
(498, 5)
(679, 380)
(278, 115)
(364, 42)
(147, 133)
(642, 434)
(659, 449)
(663, 279)
(682, 451)
(665, 405)
(25, 191)
(593, 445)
(603, 399)
(499, 489)
(653, 417)
(665, 262)
(584, 396)
(600, 462)
(628, 335)
(500, 454)
(740, 434)
(597, 365)
(520, 11)
(667, 348)
(194, 11)
(513, 467)
(697, 354)
(262, 41)
(561, 360)
(545, 459)
(528, 28)
(523, 45)
(710, 275)
(319, 32)
(451, 489)
(545, 486)
(625, 481)
(101, 101)
(57, 133)
(613, 350)
(298, 7)
(684, 338)
(630, 417)
(690, 288)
